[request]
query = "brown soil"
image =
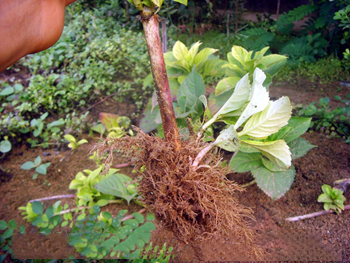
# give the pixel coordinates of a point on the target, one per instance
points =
(323, 238)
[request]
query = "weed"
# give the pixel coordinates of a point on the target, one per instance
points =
(332, 198)
(40, 168)
(73, 144)
(8, 229)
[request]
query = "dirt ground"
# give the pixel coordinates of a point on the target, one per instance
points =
(323, 238)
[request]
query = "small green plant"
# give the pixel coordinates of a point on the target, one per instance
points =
(73, 144)
(332, 198)
(158, 254)
(95, 188)
(101, 235)
(40, 168)
(7, 230)
(116, 126)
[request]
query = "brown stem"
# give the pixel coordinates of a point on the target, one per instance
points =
(150, 24)
(121, 165)
(320, 213)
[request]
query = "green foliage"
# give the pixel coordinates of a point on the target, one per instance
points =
(240, 62)
(96, 188)
(335, 122)
(7, 230)
(116, 126)
(73, 144)
(99, 236)
(332, 198)
(40, 168)
(181, 61)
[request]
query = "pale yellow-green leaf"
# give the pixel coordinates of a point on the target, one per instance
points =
(270, 120)
(69, 138)
(261, 53)
(82, 141)
(259, 98)
(180, 51)
(202, 56)
(240, 54)
(226, 84)
(193, 52)
(276, 151)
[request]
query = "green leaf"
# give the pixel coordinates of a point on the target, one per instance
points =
(274, 184)
(139, 217)
(323, 198)
(37, 161)
(109, 120)
(276, 151)
(69, 138)
(22, 229)
(27, 165)
(37, 207)
(12, 224)
(115, 185)
(299, 147)
(35, 176)
(150, 119)
(259, 98)
(102, 202)
(245, 162)
(240, 54)
(226, 84)
(273, 63)
(3, 225)
(190, 91)
(268, 121)
(5, 146)
(299, 126)
(180, 51)
(42, 169)
(228, 140)
(202, 56)
(7, 91)
(184, 2)
(8, 233)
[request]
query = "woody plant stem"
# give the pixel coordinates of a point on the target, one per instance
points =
(150, 22)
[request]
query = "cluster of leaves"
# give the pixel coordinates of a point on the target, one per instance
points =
(335, 122)
(318, 37)
(99, 236)
(7, 230)
(332, 198)
(40, 168)
(95, 188)
(116, 126)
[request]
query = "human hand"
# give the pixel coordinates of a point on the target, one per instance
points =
(29, 26)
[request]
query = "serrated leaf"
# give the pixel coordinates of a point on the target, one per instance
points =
(299, 125)
(270, 120)
(274, 184)
(245, 162)
(27, 165)
(37, 207)
(116, 185)
(259, 98)
(299, 147)
(276, 151)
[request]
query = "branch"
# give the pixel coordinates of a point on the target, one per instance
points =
(320, 213)
(201, 154)
(53, 198)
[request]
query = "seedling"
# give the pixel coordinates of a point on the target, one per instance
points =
(8, 230)
(332, 198)
(40, 168)
(73, 144)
